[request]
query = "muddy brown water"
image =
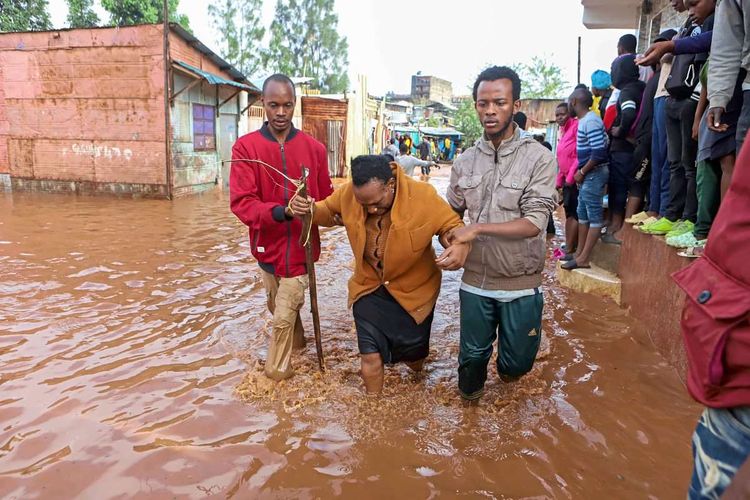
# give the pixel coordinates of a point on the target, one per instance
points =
(132, 335)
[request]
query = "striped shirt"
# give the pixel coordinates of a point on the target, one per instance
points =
(591, 141)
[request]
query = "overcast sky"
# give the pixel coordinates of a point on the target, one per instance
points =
(390, 40)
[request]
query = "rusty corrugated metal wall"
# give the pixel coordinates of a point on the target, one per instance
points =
(325, 119)
(84, 106)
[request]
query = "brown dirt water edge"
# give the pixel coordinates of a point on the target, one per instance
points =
(132, 339)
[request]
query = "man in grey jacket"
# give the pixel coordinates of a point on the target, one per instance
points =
(408, 162)
(730, 54)
(507, 184)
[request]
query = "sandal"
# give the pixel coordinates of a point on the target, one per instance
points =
(572, 264)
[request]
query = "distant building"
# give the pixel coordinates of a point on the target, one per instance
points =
(431, 88)
(110, 111)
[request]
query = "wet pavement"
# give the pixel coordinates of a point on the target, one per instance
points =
(132, 334)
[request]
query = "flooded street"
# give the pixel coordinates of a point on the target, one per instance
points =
(132, 335)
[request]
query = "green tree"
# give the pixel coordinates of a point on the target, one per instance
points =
(128, 12)
(305, 42)
(467, 122)
(24, 15)
(540, 79)
(81, 14)
(240, 31)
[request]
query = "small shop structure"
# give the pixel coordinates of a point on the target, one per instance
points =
(137, 110)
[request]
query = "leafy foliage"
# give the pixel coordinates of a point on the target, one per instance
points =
(305, 42)
(239, 24)
(467, 122)
(129, 12)
(540, 79)
(24, 15)
(81, 14)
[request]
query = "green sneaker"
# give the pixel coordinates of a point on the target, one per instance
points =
(647, 224)
(662, 226)
(681, 227)
(684, 240)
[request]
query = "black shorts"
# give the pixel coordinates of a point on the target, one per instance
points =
(384, 326)
(570, 201)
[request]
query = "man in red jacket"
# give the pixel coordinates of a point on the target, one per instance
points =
(716, 331)
(259, 197)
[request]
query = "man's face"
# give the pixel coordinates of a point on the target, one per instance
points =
(376, 196)
(597, 92)
(495, 106)
(701, 9)
(562, 115)
(678, 5)
(278, 102)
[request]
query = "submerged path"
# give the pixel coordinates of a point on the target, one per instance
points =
(132, 335)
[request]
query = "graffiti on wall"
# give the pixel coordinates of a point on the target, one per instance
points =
(95, 151)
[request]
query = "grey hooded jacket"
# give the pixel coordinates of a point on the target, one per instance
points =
(730, 50)
(516, 180)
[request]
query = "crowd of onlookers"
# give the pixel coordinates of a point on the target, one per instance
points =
(660, 135)
(654, 140)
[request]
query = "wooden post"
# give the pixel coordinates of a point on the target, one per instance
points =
(305, 240)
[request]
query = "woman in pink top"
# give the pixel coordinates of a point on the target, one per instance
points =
(567, 161)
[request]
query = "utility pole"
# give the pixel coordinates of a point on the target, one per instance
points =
(167, 93)
(579, 59)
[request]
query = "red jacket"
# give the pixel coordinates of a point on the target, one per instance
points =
(258, 195)
(716, 316)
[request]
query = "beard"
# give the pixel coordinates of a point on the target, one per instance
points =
(503, 129)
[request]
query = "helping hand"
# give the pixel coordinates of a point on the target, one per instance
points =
(453, 257)
(465, 234)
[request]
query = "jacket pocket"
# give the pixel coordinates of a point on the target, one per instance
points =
(421, 237)
(471, 186)
(508, 194)
(716, 314)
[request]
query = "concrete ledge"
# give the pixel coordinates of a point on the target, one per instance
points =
(607, 256)
(596, 280)
(90, 188)
(646, 266)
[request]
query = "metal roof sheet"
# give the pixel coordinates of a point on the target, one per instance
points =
(214, 79)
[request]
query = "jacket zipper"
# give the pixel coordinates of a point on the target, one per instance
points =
(489, 210)
(286, 202)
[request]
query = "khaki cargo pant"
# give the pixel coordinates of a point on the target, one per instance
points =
(285, 299)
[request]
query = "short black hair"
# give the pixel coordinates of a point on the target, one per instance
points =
(281, 78)
(520, 119)
(562, 105)
(366, 168)
(403, 148)
(582, 86)
(584, 96)
(498, 73)
(628, 43)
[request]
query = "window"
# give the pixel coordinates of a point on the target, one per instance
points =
(204, 121)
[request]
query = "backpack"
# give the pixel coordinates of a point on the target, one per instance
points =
(685, 73)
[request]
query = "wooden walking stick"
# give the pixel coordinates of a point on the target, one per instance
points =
(306, 241)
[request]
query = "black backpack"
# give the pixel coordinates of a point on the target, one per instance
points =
(685, 73)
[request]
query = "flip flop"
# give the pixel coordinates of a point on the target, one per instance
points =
(572, 264)
(692, 252)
